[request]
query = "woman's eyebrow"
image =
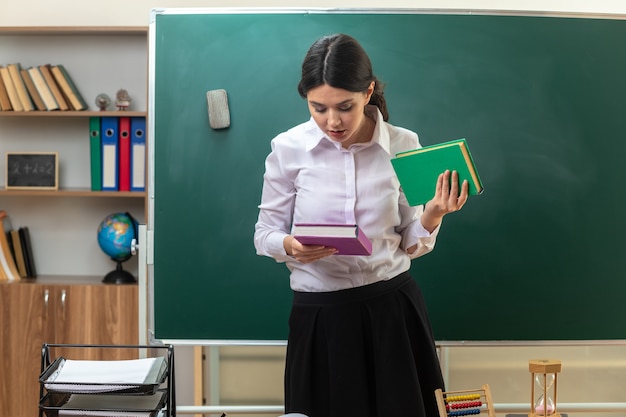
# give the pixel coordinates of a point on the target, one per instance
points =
(315, 103)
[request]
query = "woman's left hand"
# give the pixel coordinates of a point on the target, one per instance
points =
(447, 199)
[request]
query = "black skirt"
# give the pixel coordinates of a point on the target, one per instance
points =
(362, 352)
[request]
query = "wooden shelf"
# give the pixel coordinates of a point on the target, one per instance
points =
(60, 280)
(68, 113)
(73, 192)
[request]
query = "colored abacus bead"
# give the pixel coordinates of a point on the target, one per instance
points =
(467, 412)
(468, 404)
(469, 397)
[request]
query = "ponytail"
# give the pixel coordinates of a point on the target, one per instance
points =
(378, 99)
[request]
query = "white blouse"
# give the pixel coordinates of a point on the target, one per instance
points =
(311, 179)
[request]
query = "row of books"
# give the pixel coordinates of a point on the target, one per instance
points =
(118, 153)
(42, 88)
(16, 254)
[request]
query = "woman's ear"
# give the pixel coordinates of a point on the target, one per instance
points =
(370, 91)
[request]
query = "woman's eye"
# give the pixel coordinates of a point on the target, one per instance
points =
(345, 108)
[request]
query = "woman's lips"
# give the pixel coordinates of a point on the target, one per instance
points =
(336, 134)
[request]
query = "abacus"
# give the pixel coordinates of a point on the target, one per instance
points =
(465, 403)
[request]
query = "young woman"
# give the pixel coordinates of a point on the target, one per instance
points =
(360, 342)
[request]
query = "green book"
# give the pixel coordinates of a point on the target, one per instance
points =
(95, 153)
(74, 96)
(418, 169)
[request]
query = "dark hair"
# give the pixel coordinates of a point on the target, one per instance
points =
(340, 61)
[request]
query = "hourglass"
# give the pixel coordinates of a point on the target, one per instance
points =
(544, 374)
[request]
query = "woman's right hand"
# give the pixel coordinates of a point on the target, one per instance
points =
(306, 253)
(447, 199)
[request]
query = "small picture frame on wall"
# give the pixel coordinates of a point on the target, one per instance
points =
(32, 171)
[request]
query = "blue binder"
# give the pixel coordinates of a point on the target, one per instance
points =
(110, 156)
(137, 154)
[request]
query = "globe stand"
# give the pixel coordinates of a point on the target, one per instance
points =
(119, 276)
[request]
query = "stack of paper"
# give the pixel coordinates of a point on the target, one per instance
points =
(104, 376)
(112, 405)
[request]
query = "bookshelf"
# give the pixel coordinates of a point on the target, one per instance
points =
(68, 295)
(100, 59)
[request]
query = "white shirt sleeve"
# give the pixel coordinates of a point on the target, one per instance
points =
(413, 232)
(275, 214)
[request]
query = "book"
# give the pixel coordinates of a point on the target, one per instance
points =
(18, 252)
(348, 239)
(20, 87)
(418, 169)
(29, 259)
(7, 263)
(32, 90)
(137, 154)
(54, 88)
(68, 88)
(42, 88)
(11, 246)
(124, 153)
(110, 153)
(95, 153)
(5, 102)
(73, 86)
(3, 275)
(16, 104)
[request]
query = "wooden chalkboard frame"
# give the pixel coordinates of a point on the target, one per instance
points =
(15, 178)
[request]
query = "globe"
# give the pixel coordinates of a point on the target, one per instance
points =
(116, 233)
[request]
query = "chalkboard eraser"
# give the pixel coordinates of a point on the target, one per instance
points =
(219, 115)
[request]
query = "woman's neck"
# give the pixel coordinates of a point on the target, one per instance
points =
(365, 132)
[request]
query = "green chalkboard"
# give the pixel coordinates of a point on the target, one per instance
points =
(541, 100)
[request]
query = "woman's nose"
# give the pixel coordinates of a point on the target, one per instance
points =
(334, 119)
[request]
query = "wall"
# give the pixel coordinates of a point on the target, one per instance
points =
(131, 13)
(592, 374)
(254, 375)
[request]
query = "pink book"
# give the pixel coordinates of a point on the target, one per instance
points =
(348, 239)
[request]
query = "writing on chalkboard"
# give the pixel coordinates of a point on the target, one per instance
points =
(32, 170)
